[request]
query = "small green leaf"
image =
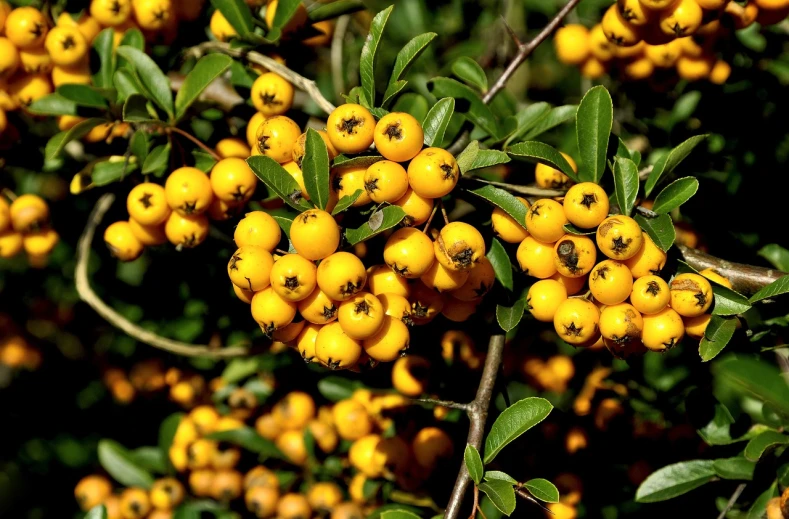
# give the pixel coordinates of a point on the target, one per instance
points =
(286, 9)
(469, 71)
(126, 84)
(151, 77)
(758, 379)
(501, 476)
(768, 440)
(669, 161)
(239, 369)
(405, 58)
(674, 480)
(543, 490)
(132, 38)
(717, 335)
(83, 95)
(335, 9)
(776, 288)
(237, 14)
(759, 507)
(478, 112)
(734, 468)
(250, 440)
(167, 432)
(513, 422)
(399, 514)
(139, 145)
(572, 229)
(279, 181)
(56, 144)
(334, 388)
(346, 202)
(728, 302)
(468, 156)
(437, 120)
(675, 194)
(594, 121)
(352, 161)
(315, 169)
(284, 224)
(206, 70)
(778, 256)
(103, 45)
(135, 110)
(660, 229)
(473, 463)
(369, 52)
(203, 161)
(508, 317)
(550, 120)
(157, 161)
(501, 494)
(151, 459)
(500, 261)
(106, 172)
(533, 151)
(97, 512)
(505, 201)
(718, 430)
(489, 158)
(53, 104)
(625, 184)
(117, 461)
(380, 221)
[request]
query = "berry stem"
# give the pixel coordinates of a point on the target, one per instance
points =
(430, 220)
(443, 212)
(9, 194)
(196, 141)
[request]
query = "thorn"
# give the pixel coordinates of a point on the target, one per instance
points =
(511, 32)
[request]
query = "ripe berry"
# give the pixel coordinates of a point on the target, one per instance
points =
(272, 94)
(459, 246)
(506, 227)
(270, 311)
(147, 204)
(650, 294)
(619, 237)
(335, 349)
(574, 256)
(479, 282)
(385, 181)
(433, 173)
(232, 180)
(318, 308)
(188, 191)
(536, 258)
(545, 220)
(341, 275)
(259, 229)
(691, 294)
(544, 298)
(663, 330)
(350, 128)
(250, 268)
(276, 137)
(121, 241)
(398, 136)
(361, 316)
(610, 282)
(586, 205)
(315, 234)
(409, 253)
(576, 321)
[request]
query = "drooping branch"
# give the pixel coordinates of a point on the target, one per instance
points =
(746, 279)
(87, 294)
(307, 85)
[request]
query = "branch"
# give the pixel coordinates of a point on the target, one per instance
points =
(442, 403)
(747, 279)
(197, 142)
(521, 190)
(732, 500)
(478, 416)
(308, 85)
(87, 294)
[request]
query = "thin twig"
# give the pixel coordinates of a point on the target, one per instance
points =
(87, 294)
(197, 142)
(478, 416)
(476, 503)
(733, 499)
(443, 212)
(337, 66)
(747, 279)
(521, 190)
(442, 403)
(307, 85)
(9, 194)
(430, 220)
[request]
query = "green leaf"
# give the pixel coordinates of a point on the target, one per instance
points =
(505, 201)
(488, 158)
(524, 120)
(660, 229)
(335, 388)
(734, 468)
(117, 461)
(103, 45)
(58, 141)
(405, 58)
(625, 184)
(392, 90)
(237, 14)
(437, 120)
(757, 379)
(775, 254)
(594, 121)
(335, 9)
(398, 514)
(109, 171)
(675, 194)
(157, 161)
(151, 459)
(133, 38)
(379, 221)
(167, 432)
(349, 161)
(550, 120)
(533, 151)
(473, 463)
(669, 161)
(284, 224)
(508, 317)
(239, 369)
(53, 104)
(126, 84)
(478, 112)
(135, 110)
(761, 444)
(369, 52)
(776, 288)
(249, 439)
(469, 71)
(728, 302)
(468, 156)
(346, 202)
(139, 146)
(315, 169)
(286, 9)
(572, 229)
(279, 181)
(501, 476)
(83, 95)
(674, 480)
(501, 494)
(513, 422)
(203, 161)
(500, 261)
(718, 430)
(210, 67)
(97, 512)
(151, 77)
(717, 335)
(759, 506)
(543, 490)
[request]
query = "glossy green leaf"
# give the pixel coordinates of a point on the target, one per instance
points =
(468, 156)
(675, 194)
(167, 432)
(572, 229)
(625, 184)
(405, 58)
(548, 121)
(286, 9)
(279, 181)
(369, 54)
(513, 422)
(126, 84)
(53, 104)
(284, 224)
(674, 480)
(502, 476)
(473, 463)
(352, 161)
(718, 430)
(413, 104)
(761, 444)
(237, 14)
(508, 318)
(83, 95)
(717, 335)
(737, 468)
(97, 512)
(470, 72)
(135, 110)
(117, 461)
(543, 490)
(315, 169)
(505, 201)
(206, 70)
(56, 144)
(139, 145)
(728, 302)
(437, 120)
(758, 379)
(501, 494)
(203, 161)
(335, 9)
(488, 158)
(759, 507)
(534, 151)
(346, 202)
(157, 161)
(524, 120)
(594, 120)
(151, 77)
(109, 171)
(250, 440)
(778, 256)
(103, 46)
(669, 161)
(150, 459)
(776, 288)
(477, 112)
(379, 221)
(500, 261)
(660, 229)
(399, 514)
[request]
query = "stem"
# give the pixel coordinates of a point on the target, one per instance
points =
(87, 294)
(442, 403)
(443, 212)
(430, 220)
(9, 194)
(733, 499)
(478, 415)
(522, 190)
(476, 503)
(747, 279)
(196, 141)
(337, 65)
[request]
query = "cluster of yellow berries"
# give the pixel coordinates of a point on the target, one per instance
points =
(638, 37)
(351, 315)
(24, 225)
(179, 212)
(17, 353)
(149, 377)
(320, 34)
(628, 306)
(131, 503)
